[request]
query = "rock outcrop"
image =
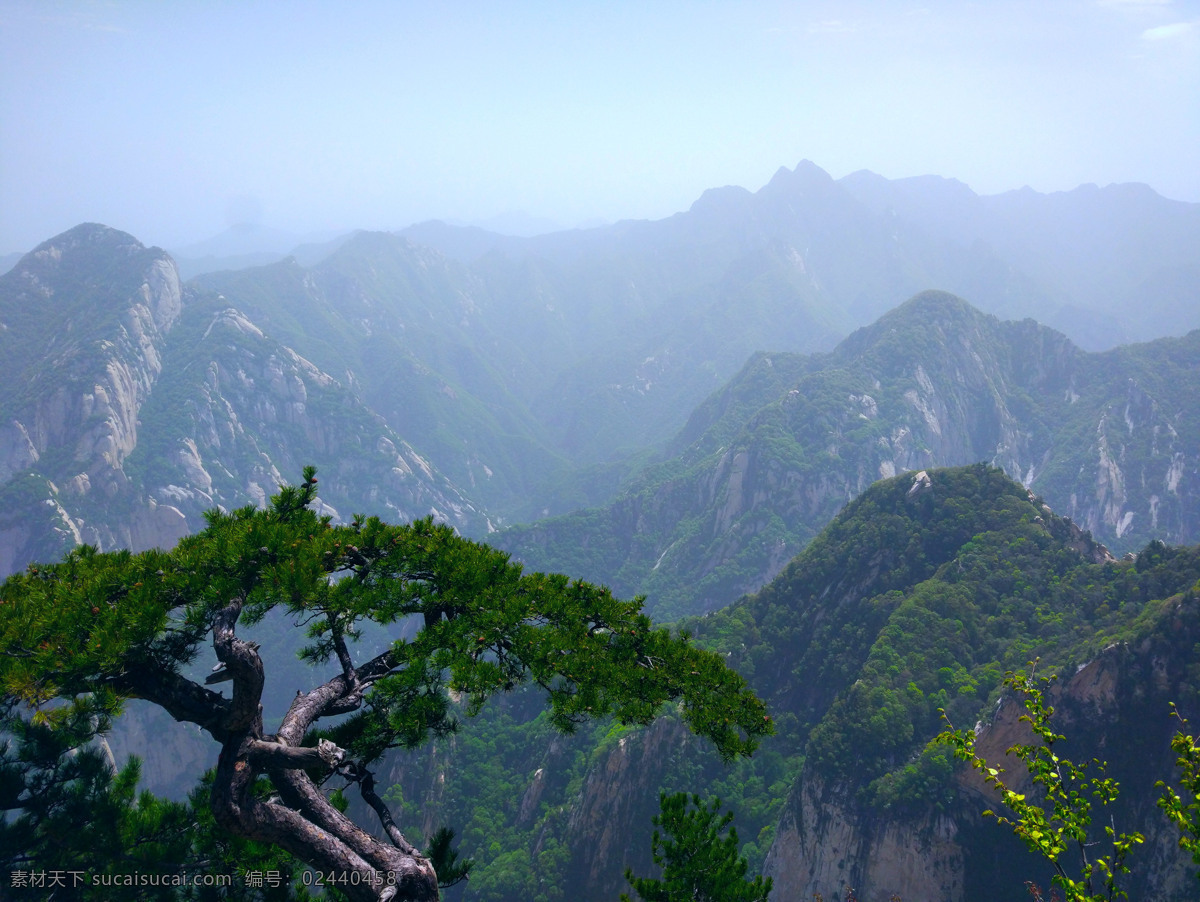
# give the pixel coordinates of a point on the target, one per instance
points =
(825, 844)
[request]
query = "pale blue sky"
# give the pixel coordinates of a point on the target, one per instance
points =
(169, 119)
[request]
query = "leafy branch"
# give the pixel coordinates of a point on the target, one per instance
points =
(1063, 819)
(1184, 815)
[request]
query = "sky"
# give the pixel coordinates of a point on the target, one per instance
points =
(175, 120)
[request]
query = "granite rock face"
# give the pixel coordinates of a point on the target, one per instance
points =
(136, 403)
(1115, 705)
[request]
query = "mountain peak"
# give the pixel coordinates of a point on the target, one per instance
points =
(724, 200)
(93, 271)
(807, 174)
(92, 235)
(932, 308)
(934, 302)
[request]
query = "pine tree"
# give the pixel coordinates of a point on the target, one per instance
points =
(699, 864)
(79, 637)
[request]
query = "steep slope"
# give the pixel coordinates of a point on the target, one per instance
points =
(135, 404)
(85, 318)
(1110, 439)
(235, 414)
(416, 334)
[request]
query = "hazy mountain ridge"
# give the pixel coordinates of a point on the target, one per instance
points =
(538, 373)
(658, 314)
(1110, 439)
(1084, 261)
(140, 403)
(1100, 251)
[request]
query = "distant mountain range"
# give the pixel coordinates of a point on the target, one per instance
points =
(533, 377)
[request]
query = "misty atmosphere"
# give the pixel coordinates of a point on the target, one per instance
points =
(534, 452)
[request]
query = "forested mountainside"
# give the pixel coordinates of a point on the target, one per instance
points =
(1111, 439)
(918, 596)
(134, 404)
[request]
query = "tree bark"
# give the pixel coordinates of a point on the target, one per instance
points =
(303, 821)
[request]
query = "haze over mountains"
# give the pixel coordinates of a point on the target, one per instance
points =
(534, 376)
(1110, 439)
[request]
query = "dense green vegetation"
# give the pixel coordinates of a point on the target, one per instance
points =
(699, 859)
(912, 603)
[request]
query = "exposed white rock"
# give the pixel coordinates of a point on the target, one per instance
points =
(157, 526)
(734, 500)
(1110, 485)
(78, 485)
(822, 845)
(189, 460)
(235, 319)
(1175, 473)
(17, 451)
(164, 294)
(870, 409)
(1123, 524)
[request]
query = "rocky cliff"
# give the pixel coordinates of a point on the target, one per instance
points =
(1114, 707)
(824, 844)
(86, 319)
(134, 404)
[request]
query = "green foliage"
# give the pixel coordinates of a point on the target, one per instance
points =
(1060, 819)
(699, 859)
(444, 858)
(66, 810)
(1184, 811)
(97, 628)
